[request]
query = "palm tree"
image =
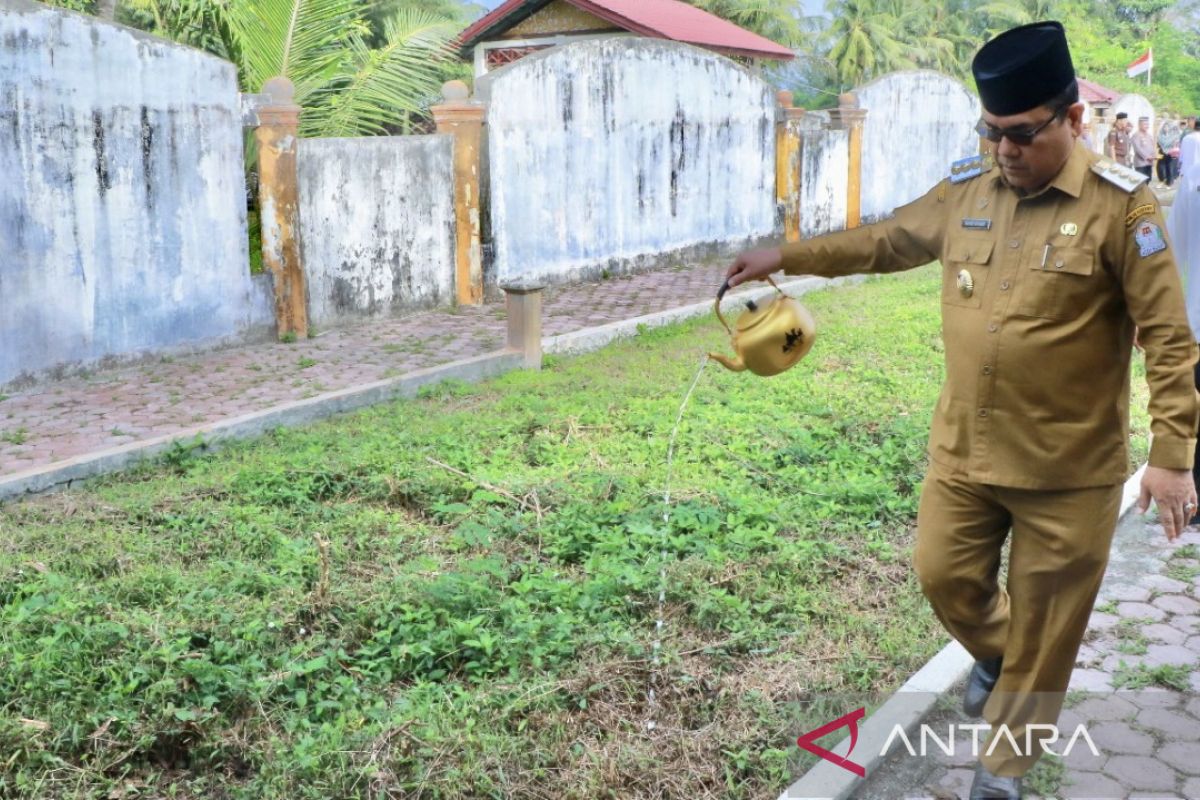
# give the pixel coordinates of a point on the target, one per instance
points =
(941, 36)
(1000, 15)
(346, 87)
(867, 39)
(354, 74)
(198, 23)
(777, 20)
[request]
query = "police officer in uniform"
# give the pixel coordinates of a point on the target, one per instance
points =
(1119, 139)
(1050, 257)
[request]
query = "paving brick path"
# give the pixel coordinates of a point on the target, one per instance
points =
(1145, 629)
(107, 408)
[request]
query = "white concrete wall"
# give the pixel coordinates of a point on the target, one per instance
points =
(604, 151)
(824, 176)
(918, 122)
(377, 224)
(122, 202)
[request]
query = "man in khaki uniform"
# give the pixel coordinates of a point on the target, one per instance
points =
(1116, 146)
(1049, 259)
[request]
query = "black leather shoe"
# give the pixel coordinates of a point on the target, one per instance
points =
(980, 683)
(987, 786)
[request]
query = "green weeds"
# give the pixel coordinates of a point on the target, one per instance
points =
(456, 596)
(16, 436)
(1168, 676)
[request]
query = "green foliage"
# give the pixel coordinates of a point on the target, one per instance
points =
(456, 595)
(1167, 676)
(254, 241)
(82, 6)
(774, 19)
(199, 23)
(359, 67)
(1046, 777)
(863, 39)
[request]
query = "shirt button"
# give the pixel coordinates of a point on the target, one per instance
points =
(993, 327)
(987, 369)
(983, 412)
(1014, 243)
(1004, 286)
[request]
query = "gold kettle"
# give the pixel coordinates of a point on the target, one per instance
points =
(770, 339)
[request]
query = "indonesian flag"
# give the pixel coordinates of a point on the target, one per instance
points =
(1144, 63)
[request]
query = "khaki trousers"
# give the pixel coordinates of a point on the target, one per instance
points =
(1057, 557)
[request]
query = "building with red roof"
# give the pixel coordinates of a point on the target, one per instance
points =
(1092, 92)
(519, 27)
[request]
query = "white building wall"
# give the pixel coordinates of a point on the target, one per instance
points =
(122, 203)
(377, 224)
(606, 151)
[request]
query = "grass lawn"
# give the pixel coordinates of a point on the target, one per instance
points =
(456, 596)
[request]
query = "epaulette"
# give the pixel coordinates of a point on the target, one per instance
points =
(1118, 175)
(971, 167)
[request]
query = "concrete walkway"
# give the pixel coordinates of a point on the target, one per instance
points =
(114, 411)
(1135, 690)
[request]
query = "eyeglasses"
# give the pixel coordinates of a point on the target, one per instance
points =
(1021, 137)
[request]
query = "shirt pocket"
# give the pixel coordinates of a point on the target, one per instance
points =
(965, 265)
(1058, 283)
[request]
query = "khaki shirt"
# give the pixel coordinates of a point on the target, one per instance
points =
(1038, 351)
(1118, 145)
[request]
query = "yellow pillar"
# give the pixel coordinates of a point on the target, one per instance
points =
(787, 164)
(463, 119)
(279, 208)
(849, 117)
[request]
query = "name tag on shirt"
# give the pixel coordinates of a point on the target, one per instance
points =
(972, 223)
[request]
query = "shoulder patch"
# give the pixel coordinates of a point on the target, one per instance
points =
(1149, 238)
(1140, 211)
(971, 167)
(1124, 177)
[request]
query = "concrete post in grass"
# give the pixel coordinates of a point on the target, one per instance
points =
(523, 302)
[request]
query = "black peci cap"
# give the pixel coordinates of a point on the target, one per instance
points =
(1023, 68)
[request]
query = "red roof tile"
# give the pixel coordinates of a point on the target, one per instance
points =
(659, 19)
(1095, 93)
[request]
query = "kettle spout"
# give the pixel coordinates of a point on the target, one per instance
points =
(733, 365)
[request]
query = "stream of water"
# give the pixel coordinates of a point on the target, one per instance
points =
(656, 651)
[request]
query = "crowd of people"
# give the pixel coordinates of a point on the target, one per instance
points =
(1154, 155)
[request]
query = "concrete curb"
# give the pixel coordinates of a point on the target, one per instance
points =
(62, 473)
(589, 339)
(911, 703)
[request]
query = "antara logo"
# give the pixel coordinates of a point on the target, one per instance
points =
(1035, 737)
(808, 741)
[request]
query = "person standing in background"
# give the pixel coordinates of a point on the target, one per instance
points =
(1169, 135)
(1143, 148)
(1116, 146)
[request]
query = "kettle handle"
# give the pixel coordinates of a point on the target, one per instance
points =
(725, 288)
